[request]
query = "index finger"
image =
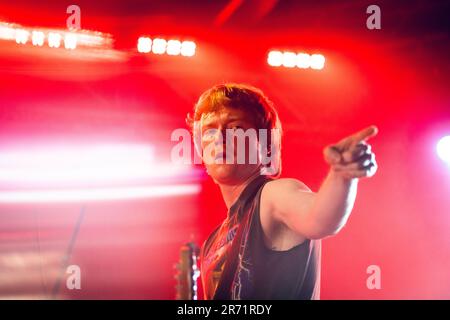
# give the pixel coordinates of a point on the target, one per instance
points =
(364, 134)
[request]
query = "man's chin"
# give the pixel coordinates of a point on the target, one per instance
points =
(224, 173)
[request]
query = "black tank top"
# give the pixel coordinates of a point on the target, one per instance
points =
(261, 273)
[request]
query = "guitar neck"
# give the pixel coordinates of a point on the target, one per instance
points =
(187, 272)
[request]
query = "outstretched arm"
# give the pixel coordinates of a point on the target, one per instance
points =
(321, 214)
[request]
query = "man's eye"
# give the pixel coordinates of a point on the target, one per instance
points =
(209, 134)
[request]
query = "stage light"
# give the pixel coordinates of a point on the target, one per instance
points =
(317, 61)
(443, 149)
(144, 45)
(94, 39)
(173, 47)
(54, 40)
(98, 194)
(70, 41)
(159, 46)
(108, 172)
(22, 36)
(162, 46)
(78, 164)
(7, 32)
(188, 48)
(41, 167)
(289, 59)
(303, 60)
(84, 164)
(37, 38)
(275, 58)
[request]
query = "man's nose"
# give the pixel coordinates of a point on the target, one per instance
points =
(220, 136)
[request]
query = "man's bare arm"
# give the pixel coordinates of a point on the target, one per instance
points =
(321, 214)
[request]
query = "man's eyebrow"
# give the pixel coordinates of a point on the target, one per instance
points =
(212, 121)
(235, 119)
(206, 125)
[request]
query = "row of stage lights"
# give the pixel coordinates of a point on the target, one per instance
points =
(170, 47)
(300, 60)
(70, 40)
(55, 38)
(158, 46)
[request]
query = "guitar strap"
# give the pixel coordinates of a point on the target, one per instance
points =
(224, 287)
(223, 290)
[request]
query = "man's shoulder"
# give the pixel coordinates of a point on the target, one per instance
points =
(285, 185)
(278, 198)
(278, 192)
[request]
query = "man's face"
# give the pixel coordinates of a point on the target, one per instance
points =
(221, 148)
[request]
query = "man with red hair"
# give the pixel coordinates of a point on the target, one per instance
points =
(268, 246)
